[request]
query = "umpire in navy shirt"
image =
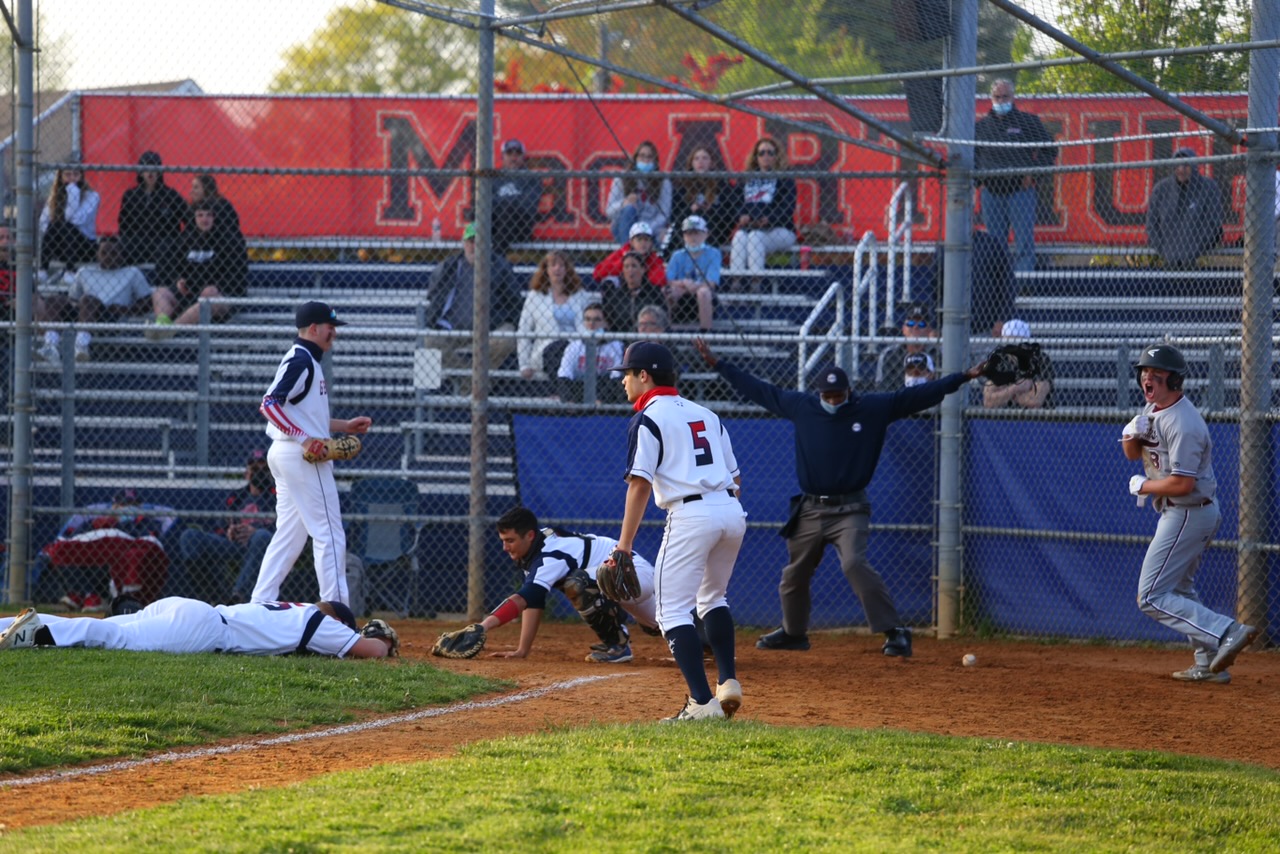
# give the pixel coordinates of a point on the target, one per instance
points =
(839, 437)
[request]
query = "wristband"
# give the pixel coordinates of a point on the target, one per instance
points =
(506, 612)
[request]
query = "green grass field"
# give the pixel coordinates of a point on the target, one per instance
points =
(723, 786)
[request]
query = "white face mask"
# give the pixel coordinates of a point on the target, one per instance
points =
(693, 244)
(914, 381)
(1001, 108)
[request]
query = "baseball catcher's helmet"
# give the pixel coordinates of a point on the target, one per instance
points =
(1165, 358)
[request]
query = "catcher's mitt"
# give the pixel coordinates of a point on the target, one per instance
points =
(340, 448)
(463, 643)
(382, 630)
(1010, 363)
(617, 577)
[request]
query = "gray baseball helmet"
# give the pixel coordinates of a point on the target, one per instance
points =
(1164, 357)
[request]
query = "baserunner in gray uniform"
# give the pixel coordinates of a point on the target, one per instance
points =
(1171, 439)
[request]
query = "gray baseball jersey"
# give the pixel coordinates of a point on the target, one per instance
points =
(1182, 447)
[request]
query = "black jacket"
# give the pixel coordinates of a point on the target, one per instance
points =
(1016, 126)
(151, 223)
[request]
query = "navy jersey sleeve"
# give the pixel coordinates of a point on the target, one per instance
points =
(778, 401)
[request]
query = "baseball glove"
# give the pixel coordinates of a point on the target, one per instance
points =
(617, 577)
(1010, 363)
(463, 643)
(382, 630)
(340, 448)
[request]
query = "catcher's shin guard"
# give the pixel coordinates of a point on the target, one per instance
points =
(604, 617)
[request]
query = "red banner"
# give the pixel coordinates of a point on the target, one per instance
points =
(565, 133)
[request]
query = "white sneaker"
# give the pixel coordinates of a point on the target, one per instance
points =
(22, 631)
(729, 693)
(708, 711)
(50, 353)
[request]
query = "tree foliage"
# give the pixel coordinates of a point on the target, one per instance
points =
(1112, 26)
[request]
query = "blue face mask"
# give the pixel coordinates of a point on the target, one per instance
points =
(1002, 108)
(645, 166)
(832, 407)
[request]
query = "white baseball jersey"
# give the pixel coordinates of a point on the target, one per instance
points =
(279, 628)
(681, 448)
(297, 403)
(1182, 447)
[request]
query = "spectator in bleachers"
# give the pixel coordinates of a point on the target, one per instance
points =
(515, 200)
(633, 200)
(1009, 201)
(204, 190)
(101, 293)
(710, 198)
(451, 307)
(640, 240)
(215, 264)
(1025, 393)
(693, 276)
(573, 364)
(767, 210)
(623, 300)
(916, 324)
(152, 218)
(918, 369)
(243, 539)
(69, 220)
(553, 308)
(652, 320)
(1184, 217)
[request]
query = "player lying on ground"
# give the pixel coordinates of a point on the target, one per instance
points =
(178, 625)
(552, 558)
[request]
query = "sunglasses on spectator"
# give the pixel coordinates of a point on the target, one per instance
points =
(767, 152)
(916, 323)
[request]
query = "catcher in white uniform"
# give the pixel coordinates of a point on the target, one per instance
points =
(301, 456)
(178, 625)
(679, 452)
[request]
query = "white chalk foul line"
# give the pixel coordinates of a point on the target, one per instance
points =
(178, 756)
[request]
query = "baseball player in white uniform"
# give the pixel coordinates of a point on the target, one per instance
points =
(296, 407)
(178, 625)
(680, 453)
(553, 558)
(1172, 441)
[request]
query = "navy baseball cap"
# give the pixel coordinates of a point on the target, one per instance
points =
(649, 356)
(316, 312)
(126, 498)
(341, 613)
(832, 379)
(514, 145)
(257, 455)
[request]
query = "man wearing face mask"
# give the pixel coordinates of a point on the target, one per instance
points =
(839, 437)
(1009, 201)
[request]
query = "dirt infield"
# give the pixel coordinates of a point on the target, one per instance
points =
(1068, 694)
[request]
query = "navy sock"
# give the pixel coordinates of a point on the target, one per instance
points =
(719, 624)
(687, 649)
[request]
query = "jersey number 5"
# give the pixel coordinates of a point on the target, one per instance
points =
(703, 456)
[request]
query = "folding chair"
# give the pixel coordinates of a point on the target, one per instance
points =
(387, 546)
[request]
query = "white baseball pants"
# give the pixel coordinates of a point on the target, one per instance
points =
(694, 565)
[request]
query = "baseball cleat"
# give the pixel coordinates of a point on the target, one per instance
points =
(708, 711)
(611, 655)
(897, 642)
(729, 693)
(1200, 673)
(779, 639)
(1236, 639)
(22, 631)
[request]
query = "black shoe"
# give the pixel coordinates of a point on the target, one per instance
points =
(781, 640)
(898, 642)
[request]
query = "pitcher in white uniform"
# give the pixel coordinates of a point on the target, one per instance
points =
(296, 407)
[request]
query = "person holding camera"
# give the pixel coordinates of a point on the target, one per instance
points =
(244, 538)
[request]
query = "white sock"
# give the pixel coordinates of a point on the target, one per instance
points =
(52, 338)
(82, 340)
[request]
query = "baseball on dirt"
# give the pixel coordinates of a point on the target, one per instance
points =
(969, 659)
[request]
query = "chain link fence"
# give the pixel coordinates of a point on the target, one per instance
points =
(773, 183)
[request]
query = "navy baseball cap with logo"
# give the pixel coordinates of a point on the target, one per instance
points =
(832, 379)
(316, 312)
(649, 356)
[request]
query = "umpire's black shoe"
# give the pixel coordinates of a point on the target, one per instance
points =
(897, 642)
(781, 640)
